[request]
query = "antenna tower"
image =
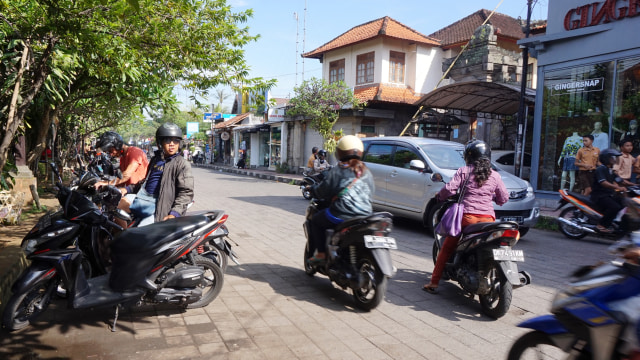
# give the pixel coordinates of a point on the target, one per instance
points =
(304, 34)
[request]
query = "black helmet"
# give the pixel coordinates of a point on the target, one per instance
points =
(349, 147)
(168, 130)
(322, 152)
(608, 156)
(476, 150)
(110, 139)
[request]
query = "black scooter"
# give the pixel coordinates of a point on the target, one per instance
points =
(166, 262)
(484, 262)
(358, 255)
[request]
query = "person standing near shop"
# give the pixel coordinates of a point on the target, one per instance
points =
(586, 161)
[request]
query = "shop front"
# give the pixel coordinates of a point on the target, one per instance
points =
(589, 69)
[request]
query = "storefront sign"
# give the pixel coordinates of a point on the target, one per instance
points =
(224, 136)
(597, 13)
(587, 85)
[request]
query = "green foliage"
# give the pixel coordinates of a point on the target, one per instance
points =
(320, 102)
(97, 65)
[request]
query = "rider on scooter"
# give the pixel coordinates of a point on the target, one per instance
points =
(604, 188)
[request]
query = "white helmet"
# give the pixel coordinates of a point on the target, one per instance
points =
(349, 147)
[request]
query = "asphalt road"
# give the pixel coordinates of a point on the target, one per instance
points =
(270, 309)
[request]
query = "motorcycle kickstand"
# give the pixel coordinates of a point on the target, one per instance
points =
(115, 319)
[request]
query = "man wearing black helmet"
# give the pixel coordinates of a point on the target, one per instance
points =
(320, 164)
(169, 181)
(133, 161)
(604, 188)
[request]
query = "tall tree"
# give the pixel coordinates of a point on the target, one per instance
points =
(321, 102)
(96, 63)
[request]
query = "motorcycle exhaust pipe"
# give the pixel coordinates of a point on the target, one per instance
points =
(576, 226)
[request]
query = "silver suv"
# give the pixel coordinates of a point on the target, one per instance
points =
(402, 168)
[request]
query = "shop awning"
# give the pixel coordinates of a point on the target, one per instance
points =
(478, 96)
(253, 128)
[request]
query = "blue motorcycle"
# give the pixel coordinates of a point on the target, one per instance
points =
(595, 317)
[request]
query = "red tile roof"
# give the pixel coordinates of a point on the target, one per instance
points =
(385, 26)
(386, 93)
(461, 31)
(232, 121)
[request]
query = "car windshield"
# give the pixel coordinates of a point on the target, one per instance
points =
(445, 157)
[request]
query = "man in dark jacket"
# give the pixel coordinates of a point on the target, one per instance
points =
(169, 179)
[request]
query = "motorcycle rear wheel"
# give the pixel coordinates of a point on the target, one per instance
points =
(213, 279)
(496, 303)
(371, 294)
(306, 194)
(23, 308)
(569, 231)
(535, 345)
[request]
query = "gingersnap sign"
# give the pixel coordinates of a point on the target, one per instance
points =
(597, 13)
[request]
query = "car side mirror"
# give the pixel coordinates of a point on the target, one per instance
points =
(417, 165)
(436, 177)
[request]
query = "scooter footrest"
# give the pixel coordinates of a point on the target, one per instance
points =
(101, 295)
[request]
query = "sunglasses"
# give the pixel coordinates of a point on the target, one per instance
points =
(166, 141)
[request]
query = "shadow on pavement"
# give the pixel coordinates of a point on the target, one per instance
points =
(295, 283)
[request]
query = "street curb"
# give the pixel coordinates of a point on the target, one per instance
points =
(257, 174)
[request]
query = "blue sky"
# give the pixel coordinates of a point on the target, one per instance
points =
(274, 54)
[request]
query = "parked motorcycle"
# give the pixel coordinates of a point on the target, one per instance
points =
(358, 255)
(589, 317)
(484, 262)
(165, 262)
(582, 216)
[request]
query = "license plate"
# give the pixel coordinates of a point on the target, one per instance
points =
(517, 219)
(376, 242)
(508, 255)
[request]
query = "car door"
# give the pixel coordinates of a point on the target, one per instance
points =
(378, 159)
(405, 186)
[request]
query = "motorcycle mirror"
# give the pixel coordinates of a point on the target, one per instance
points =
(55, 170)
(436, 177)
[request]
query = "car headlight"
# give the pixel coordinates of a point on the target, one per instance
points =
(529, 190)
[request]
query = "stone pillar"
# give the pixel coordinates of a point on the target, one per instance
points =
(24, 177)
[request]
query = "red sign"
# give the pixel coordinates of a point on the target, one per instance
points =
(597, 13)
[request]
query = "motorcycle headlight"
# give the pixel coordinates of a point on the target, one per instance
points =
(30, 246)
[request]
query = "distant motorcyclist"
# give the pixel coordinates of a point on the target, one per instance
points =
(605, 185)
(348, 186)
(320, 164)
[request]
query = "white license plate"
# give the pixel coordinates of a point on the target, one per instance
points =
(517, 219)
(508, 255)
(384, 242)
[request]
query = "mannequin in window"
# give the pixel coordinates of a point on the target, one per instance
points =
(600, 138)
(569, 150)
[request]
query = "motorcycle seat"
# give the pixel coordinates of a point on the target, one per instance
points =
(583, 198)
(378, 216)
(157, 234)
(488, 226)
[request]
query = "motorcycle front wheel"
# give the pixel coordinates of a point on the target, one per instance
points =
(212, 283)
(535, 345)
(373, 284)
(571, 214)
(496, 303)
(306, 194)
(23, 308)
(308, 269)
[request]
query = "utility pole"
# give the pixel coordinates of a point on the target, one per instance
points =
(521, 110)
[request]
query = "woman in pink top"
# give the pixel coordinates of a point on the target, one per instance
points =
(483, 187)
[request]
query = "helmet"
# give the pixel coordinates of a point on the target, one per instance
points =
(349, 147)
(168, 130)
(608, 156)
(322, 152)
(110, 139)
(476, 150)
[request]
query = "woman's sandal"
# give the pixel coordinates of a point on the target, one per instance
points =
(316, 260)
(430, 289)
